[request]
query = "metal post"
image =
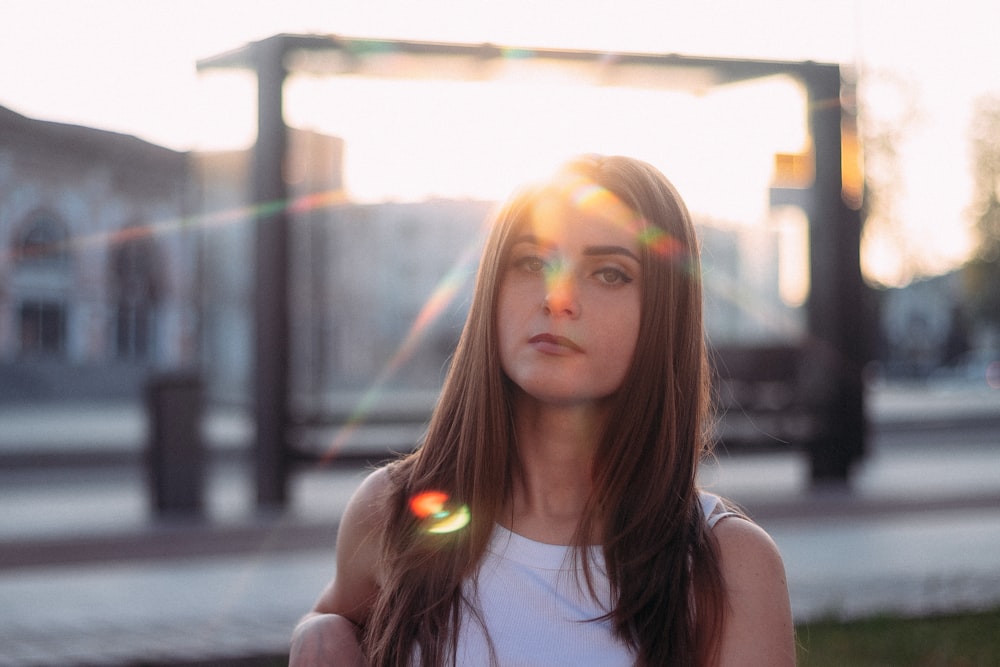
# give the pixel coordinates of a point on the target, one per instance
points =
(271, 312)
(837, 347)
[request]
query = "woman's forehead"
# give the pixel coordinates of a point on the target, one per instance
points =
(573, 200)
(572, 197)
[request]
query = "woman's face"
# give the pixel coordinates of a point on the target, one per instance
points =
(569, 301)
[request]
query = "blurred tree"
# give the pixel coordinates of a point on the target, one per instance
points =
(982, 272)
(888, 109)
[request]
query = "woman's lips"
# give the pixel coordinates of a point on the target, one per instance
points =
(554, 344)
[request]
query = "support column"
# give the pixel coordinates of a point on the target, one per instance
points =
(271, 271)
(838, 319)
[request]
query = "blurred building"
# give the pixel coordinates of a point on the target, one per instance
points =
(98, 271)
(741, 271)
(121, 257)
(924, 328)
(362, 275)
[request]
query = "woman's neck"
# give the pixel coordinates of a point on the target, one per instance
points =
(555, 446)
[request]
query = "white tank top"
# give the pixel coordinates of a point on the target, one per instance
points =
(537, 611)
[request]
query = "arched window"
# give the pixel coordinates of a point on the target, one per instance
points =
(136, 286)
(41, 254)
(43, 239)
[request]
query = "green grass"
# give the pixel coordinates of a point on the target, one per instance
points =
(967, 640)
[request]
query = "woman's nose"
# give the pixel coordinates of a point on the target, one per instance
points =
(561, 295)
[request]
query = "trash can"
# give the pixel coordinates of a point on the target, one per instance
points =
(175, 456)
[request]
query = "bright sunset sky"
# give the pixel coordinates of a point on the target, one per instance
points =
(129, 66)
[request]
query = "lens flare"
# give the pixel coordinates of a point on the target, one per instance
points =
(428, 503)
(452, 522)
(437, 515)
(993, 375)
(660, 242)
(589, 196)
(593, 199)
(241, 214)
(442, 296)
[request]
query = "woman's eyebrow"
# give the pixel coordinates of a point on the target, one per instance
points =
(589, 251)
(528, 238)
(598, 250)
(542, 244)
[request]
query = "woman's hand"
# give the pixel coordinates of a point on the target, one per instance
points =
(325, 640)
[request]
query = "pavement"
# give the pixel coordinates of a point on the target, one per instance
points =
(91, 575)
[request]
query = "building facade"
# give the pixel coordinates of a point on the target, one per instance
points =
(98, 267)
(122, 258)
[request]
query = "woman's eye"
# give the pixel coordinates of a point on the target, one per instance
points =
(611, 276)
(533, 264)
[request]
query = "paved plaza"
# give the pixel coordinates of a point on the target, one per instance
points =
(88, 576)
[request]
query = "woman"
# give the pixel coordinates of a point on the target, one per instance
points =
(567, 438)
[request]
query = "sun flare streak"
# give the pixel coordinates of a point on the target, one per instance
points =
(240, 214)
(436, 304)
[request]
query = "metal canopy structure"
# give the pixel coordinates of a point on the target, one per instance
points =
(836, 346)
(332, 55)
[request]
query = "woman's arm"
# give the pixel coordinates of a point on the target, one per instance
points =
(328, 634)
(758, 628)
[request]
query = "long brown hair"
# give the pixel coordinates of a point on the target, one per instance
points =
(661, 559)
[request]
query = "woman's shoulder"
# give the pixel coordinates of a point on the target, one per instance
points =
(743, 544)
(368, 501)
(759, 622)
(739, 535)
(365, 513)
(352, 590)
(376, 484)
(733, 529)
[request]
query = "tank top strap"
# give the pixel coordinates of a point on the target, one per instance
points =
(713, 508)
